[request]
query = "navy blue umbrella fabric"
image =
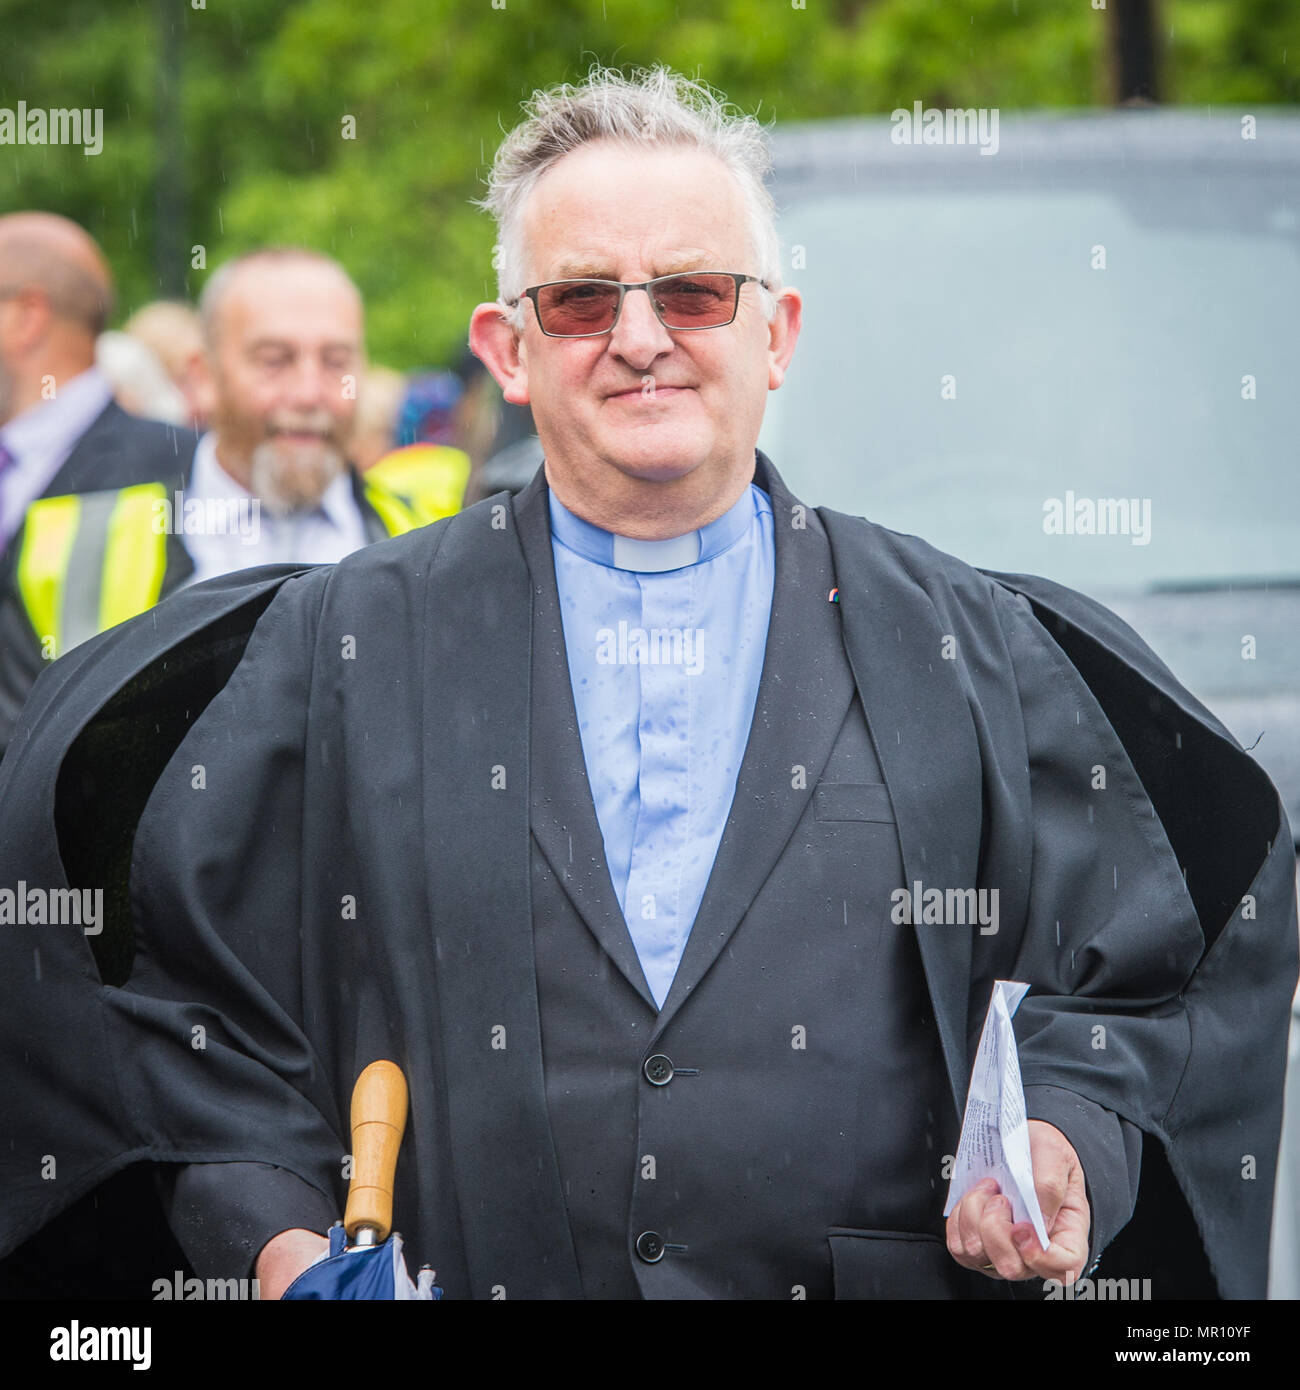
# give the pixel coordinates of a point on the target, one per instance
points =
(375, 1272)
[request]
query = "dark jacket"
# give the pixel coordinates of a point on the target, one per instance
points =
(117, 452)
(422, 879)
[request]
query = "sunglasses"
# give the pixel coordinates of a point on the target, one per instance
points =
(588, 308)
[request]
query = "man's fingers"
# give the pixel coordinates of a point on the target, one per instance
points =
(1065, 1257)
(982, 1235)
(970, 1211)
(1000, 1250)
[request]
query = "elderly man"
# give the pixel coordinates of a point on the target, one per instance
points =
(269, 482)
(284, 352)
(611, 878)
(64, 444)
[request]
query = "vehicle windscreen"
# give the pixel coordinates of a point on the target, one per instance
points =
(1098, 383)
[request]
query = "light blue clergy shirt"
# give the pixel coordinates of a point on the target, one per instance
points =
(665, 643)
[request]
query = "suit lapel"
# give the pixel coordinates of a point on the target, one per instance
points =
(77, 472)
(803, 697)
(476, 807)
(104, 458)
(563, 811)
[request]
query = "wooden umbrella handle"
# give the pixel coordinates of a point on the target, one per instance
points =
(378, 1119)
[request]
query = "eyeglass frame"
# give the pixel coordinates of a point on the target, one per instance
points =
(624, 286)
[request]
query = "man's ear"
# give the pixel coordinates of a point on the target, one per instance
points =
(197, 385)
(33, 316)
(201, 376)
(496, 344)
(783, 333)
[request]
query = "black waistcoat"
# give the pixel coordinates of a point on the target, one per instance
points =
(797, 1088)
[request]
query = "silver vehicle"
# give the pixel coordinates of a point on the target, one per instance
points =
(1072, 350)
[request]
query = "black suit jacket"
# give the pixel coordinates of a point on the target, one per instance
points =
(822, 1097)
(377, 714)
(118, 450)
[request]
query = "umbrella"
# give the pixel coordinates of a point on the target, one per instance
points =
(364, 1260)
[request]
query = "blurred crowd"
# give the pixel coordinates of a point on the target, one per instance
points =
(246, 429)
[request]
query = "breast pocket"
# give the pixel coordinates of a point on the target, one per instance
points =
(867, 801)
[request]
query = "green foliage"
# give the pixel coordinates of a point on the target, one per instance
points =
(265, 86)
(1225, 53)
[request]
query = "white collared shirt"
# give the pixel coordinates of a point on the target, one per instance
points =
(323, 535)
(41, 438)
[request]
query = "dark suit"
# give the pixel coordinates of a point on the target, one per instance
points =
(117, 451)
(113, 1240)
(819, 1054)
(823, 1194)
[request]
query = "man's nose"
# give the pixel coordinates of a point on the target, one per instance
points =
(310, 385)
(638, 337)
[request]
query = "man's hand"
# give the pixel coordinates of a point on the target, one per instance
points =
(981, 1235)
(283, 1259)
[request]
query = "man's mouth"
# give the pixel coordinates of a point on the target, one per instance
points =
(640, 392)
(298, 436)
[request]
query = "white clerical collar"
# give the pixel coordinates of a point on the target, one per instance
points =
(623, 553)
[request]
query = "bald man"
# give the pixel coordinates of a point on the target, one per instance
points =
(270, 481)
(61, 434)
(283, 332)
(59, 429)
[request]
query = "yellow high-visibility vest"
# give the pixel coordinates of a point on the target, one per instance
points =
(91, 560)
(429, 478)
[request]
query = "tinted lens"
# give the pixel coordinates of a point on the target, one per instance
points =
(581, 306)
(695, 301)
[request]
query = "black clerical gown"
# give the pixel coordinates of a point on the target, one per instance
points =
(341, 814)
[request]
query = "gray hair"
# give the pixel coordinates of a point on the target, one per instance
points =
(655, 107)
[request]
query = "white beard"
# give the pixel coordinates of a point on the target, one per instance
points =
(292, 482)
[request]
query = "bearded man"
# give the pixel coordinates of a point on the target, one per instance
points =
(283, 333)
(270, 481)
